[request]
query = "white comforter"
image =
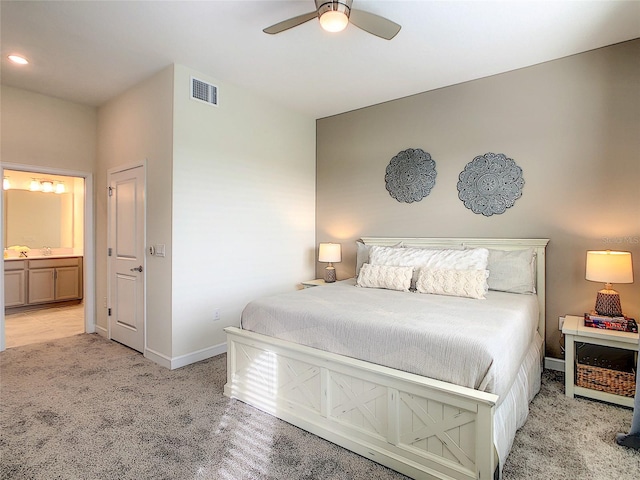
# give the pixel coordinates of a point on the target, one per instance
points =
(474, 343)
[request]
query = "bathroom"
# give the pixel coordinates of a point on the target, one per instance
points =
(43, 226)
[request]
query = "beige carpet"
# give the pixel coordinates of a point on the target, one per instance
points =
(85, 408)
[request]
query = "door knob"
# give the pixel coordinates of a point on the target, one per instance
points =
(137, 269)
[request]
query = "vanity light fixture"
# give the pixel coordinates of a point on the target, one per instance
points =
(19, 59)
(35, 185)
(60, 187)
(6, 185)
(47, 186)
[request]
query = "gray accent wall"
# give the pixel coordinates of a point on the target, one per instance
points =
(572, 125)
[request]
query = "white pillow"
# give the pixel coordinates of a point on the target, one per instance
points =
(458, 283)
(362, 253)
(447, 259)
(472, 259)
(385, 276)
(512, 271)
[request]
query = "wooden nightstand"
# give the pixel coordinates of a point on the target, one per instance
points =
(575, 331)
(313, 283)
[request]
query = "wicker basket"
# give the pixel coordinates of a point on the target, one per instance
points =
(606, 380)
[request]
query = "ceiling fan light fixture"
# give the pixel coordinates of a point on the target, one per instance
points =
(334, 21)
(334, 16)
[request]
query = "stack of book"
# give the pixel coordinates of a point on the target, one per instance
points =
(622, 324)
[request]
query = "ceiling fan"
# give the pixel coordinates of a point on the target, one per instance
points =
(334, 17)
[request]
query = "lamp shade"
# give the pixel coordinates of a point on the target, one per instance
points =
(609, 267)
(329, 252)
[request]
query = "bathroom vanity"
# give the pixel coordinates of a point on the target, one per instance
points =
(42, 281)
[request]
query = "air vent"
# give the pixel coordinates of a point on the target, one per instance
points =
(204, 92)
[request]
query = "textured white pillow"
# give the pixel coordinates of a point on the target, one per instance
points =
(472, 259)
(512, 271)
(385, 276)
(362, 253)
(447, 259)
(458, 283)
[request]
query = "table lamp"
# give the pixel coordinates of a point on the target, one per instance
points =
(329, 252)
(609, 267)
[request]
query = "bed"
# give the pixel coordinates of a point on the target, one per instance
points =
(440, 416)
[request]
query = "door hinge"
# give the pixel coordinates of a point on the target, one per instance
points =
(110, 191)
(109, 311)
(109, 252)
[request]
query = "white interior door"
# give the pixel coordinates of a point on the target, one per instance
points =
(126, 257)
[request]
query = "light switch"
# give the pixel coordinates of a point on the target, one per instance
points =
(159, 250)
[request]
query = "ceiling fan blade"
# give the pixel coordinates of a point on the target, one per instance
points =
(292, 22)
(375, 24)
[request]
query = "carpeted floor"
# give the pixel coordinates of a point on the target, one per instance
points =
(86, 408)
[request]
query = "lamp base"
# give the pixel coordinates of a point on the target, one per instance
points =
(608, 303)
(330, 274)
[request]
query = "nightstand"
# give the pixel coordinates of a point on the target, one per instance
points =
(313, 283)
(576, 332)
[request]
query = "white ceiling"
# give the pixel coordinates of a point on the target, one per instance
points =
(90, 51)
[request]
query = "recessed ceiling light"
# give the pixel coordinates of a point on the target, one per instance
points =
(18, 59)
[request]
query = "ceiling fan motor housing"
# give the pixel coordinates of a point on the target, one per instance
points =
(342, 6)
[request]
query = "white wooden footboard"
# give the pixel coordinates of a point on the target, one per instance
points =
(421, 427)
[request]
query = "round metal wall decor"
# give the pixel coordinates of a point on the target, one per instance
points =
(410, 175)
(490, 184)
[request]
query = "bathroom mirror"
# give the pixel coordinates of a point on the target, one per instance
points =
(37, 219)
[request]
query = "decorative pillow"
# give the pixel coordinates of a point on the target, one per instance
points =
(385, 276)
(472, 259)
(447, 259)
(512, 271)
(458, 283)
(362, 254)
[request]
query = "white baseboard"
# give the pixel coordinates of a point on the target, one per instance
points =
(183, 360)
(193, 357)
(554, 364)
(158, 358)
(100, 330)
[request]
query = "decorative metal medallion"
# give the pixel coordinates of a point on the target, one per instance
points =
(490, 184)
(411, 175)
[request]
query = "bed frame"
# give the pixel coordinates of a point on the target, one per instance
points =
(415, 425)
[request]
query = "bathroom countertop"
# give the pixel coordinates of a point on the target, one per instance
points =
(40, 256)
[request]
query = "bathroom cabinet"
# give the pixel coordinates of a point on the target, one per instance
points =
(15, 285)
(42, 281)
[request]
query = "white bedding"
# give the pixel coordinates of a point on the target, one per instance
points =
(474, 343)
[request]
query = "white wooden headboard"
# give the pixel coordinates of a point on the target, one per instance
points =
(539, 246)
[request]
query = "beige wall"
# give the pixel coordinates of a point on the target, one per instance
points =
(243, 208)
(137, 126)
(572, 125)
(47, 132)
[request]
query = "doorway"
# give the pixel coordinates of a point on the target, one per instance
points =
(76, 243)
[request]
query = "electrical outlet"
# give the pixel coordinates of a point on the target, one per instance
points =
(560, 323)
(216, 315)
